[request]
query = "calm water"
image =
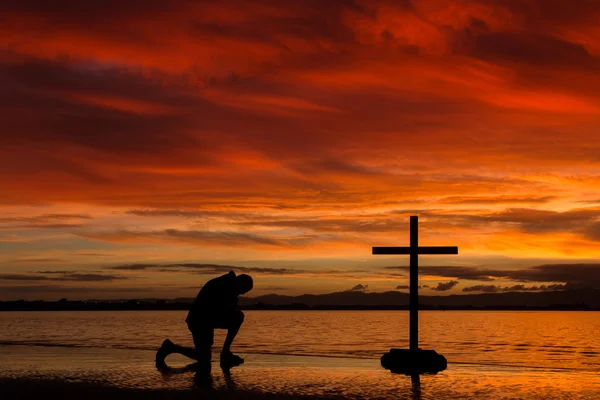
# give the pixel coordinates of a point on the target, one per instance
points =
(490, 354)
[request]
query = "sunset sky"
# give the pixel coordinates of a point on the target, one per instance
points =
(148, 146)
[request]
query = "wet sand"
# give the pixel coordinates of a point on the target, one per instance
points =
(23, 388)
(40, 372)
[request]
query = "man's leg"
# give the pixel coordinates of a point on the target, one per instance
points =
(165, 349)
(232, 324)
(204, 335)
(186, 351)
(203, 340)
(232, 330)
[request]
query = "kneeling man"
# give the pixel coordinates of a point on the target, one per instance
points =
(216, 306)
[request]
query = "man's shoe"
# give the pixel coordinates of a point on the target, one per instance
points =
(229, 360)
(162, 353)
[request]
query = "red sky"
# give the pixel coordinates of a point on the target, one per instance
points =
(148, 146)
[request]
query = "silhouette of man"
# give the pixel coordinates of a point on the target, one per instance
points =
(216, 306)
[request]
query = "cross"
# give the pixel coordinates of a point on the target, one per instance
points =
(414, 250)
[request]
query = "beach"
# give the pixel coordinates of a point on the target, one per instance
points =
(67, 372)
(30, 389)
(102, 354)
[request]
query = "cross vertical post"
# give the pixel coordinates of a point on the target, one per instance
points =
(414, 283)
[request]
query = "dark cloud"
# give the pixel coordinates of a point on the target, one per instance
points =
(215, 269)
(592, 231)
(45, 221)
(541, 221)
(190, 236)
(64, 277)
(553, 12)
(358, 288)
(376, 223)
(537, 49)
(310, 20)
(525, 219)
(481, 288)
(444, 286)
(271, 288)
(42, 219)
(39, 261)
(574, 274)
(514, 288)
(333, 165)
(175, 213)
(106, 102)
(569, 273)
(41, 289)
(75, 11)
(203, 214)
(19, 277)
(226, 268)
(92, 254)
(64, 272)
(591, 201)
(135, 267)
(407, 287)
(496, 199)
(580, 221)
(208, 268)
(50, 226)
(93, 277)
(63, 216)
(457, 272)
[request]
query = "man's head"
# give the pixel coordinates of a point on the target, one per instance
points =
(244, 283)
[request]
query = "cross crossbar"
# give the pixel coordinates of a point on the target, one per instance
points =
(420, 250)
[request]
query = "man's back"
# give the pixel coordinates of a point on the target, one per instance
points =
(217, 296)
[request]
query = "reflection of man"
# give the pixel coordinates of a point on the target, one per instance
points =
(215, 307)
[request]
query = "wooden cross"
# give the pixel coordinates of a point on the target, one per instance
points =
(414, 250)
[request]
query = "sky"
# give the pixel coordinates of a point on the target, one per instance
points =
(148, 146)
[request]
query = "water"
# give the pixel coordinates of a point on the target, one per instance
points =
(491, 354)
(566, 340)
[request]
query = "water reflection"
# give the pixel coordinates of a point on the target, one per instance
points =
(229, 382)
(202, 375)
(415, 380)
(203, 379)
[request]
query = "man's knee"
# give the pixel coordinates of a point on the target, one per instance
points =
(230, 320)
(238, 318)
(202, 334)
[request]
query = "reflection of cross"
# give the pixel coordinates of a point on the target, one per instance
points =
(414, 250)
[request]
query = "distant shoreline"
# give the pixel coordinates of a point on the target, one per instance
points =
(563, 300)
(177, 306)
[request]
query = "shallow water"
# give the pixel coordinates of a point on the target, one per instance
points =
(490, 354)
(545, 339)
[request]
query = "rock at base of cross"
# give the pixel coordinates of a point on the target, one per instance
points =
(411, 362)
